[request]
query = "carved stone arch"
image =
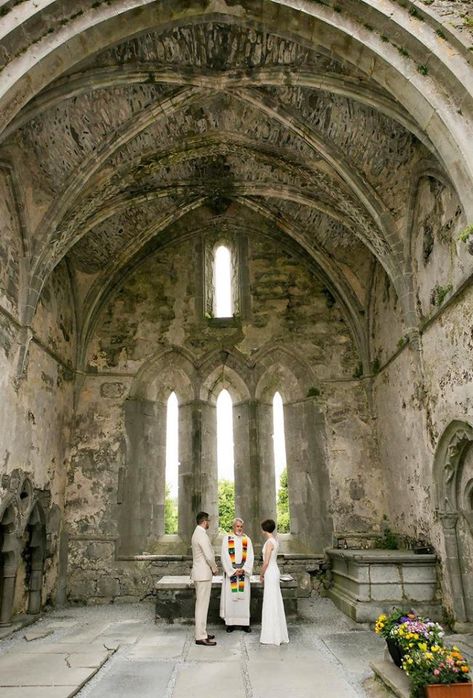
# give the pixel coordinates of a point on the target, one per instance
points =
(281, 369)
(453, 487)
(227, 370)
(142, 482)
(167, 370)
(34, 554)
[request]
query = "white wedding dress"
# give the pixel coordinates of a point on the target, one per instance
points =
(273, 619)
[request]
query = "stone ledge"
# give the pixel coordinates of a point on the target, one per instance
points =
(392, 677)
(390, 556)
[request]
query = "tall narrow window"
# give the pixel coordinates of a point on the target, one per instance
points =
(223, 300)
(225, 461)
(280, 465)
(172, 464)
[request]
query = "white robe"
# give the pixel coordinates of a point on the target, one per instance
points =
(235, 607)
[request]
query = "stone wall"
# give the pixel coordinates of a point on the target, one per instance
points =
(156, 309)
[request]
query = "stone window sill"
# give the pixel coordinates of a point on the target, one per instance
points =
(224, 322)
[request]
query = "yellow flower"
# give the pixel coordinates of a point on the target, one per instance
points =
(465, 669)
(423, 646)
(435, 648)
(410, 660)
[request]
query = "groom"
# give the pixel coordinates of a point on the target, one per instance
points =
(237, 562)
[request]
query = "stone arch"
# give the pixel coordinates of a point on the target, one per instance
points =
(225, 370)
(280, 369)
(453, 487)
(308, 477)
(34, 554)
(8, 558)
(167, 370)
(142, 480)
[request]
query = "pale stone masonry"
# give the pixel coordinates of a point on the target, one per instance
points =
(328, 146)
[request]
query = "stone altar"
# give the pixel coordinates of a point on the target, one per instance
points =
(175, 598)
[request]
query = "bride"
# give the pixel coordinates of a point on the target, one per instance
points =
(273, 621)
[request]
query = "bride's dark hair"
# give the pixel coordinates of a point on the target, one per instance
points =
(268, 525)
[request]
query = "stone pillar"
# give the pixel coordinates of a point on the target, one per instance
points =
(8, 589)
(35, 586)
(267, 475)
(206, 486)
(308, 479)
(449, 522)
(245, 437)
(189, 465)
(142, 509)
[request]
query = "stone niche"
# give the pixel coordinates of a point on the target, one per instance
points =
(367, 583)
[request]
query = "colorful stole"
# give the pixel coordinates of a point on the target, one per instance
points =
(237, 583)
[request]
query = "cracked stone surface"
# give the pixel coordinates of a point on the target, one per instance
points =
(327, 653)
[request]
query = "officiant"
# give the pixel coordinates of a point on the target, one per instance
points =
(237, 562)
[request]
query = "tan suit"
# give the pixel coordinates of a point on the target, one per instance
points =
(203, 564)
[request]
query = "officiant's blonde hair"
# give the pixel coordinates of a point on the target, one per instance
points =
(237, 518)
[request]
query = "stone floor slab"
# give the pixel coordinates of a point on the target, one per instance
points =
(38, 692)
(143, 679)
(355, 650)
(210, 679)
(298, 679)
(32, 670)
(228, 648)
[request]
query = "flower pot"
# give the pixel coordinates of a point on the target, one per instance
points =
(395, 651)
(451, 690)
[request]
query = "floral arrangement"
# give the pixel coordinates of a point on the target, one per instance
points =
(385, 624)
(435, 665)
(424, 658)
(417, 634)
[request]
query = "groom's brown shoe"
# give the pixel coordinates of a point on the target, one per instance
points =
(210, 637)
(206, 642)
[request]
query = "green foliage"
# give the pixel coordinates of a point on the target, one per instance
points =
(368, 27)
(388, 539)
(427, 2)
(422, 69)
(403, 51)
(384, 38)
(439, 294)
(465, 233)
(283, 504)
(439, 32)
(415, 13)
(468, 21)
(402, 341)
(226, 505)
(358, 372)
(313, 392)
(376, 365)
(170, 513)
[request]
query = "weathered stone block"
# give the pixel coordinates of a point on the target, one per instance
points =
(386, 592)
(420, 592)
(384, 574)
(108, 586)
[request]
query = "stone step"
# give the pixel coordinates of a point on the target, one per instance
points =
(392, 677)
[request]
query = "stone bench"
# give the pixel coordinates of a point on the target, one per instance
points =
(175, 598)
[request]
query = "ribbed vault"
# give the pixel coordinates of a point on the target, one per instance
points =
(145, 122)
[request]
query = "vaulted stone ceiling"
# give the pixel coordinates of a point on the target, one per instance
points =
(213, 122)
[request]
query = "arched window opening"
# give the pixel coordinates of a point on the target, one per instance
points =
(225, 461)
(280, 465)
(172, 464)
(223, 297)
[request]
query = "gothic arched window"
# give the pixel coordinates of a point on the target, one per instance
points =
(222, 282)
(225, 461)
(172, 464)
(280, 465)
